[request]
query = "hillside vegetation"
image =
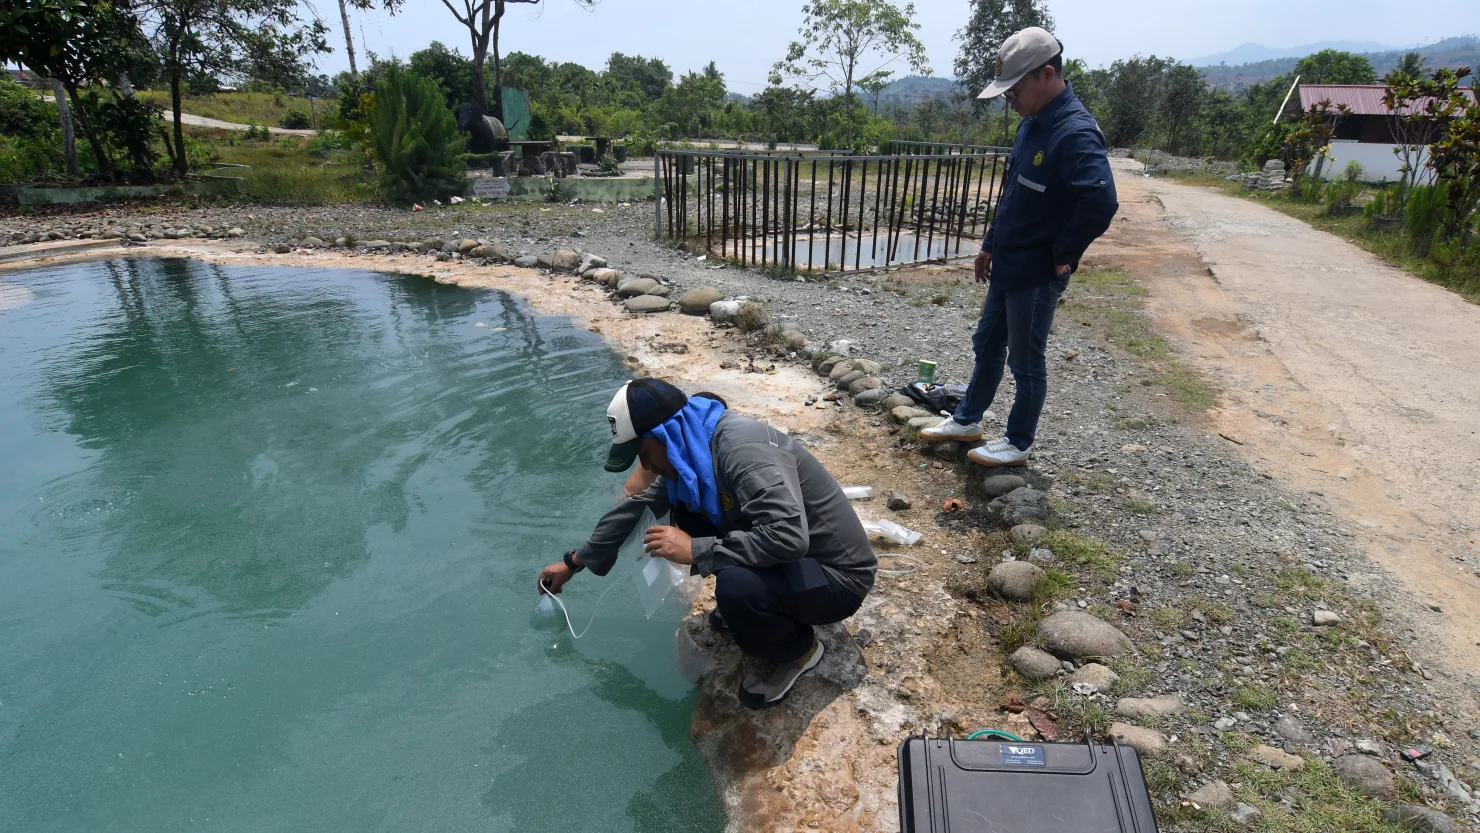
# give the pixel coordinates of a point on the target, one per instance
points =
(1462, 51)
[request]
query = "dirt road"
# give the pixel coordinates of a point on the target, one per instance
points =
(1345, 377)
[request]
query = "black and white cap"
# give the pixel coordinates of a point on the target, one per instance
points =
(639, 407)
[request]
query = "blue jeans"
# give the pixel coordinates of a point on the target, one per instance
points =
(1014, 331)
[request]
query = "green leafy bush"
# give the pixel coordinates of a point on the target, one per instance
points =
(28, 158)
(1423, 216)
(1341, 196)
(295, 119)
(256, 133)
(1354, 171)
(1378, 207)
(418, 147)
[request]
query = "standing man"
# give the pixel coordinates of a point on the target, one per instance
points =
(1057, 197)
(768, 522)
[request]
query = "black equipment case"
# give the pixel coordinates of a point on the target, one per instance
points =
(999, 786)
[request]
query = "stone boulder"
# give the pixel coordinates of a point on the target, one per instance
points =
(526, 261)
(1145, 741)
(491, 251)
(752, 316)
(635, 287)
(905, 413)
(590, 263)
(465, 246)
(839, 370)
(849, 378)
(660, 290)
(1150, 708)
(1034, 664)
(1365, 775)
(698, 301)
(605, 277)
(432, 244)
(1020, 506)
(647, 303)
(1214, 795)
(235, 232)
(1015, 580)
(1095, 674)
(308, 242)
(896, 400)
(997, 485)
(724, 312)
(1076, 635)
(376, 244)
(867, 383)
(565, 260)
(1422, 819)
(870, 398)
(1276, 758)
(867, 366)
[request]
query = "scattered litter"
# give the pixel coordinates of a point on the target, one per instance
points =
(480, 324)
(436, 202)
(893, 531)
(901, 571)
(454, 200)
(953, 504)
(498, 329)
(702, 258)
(858, 492)
(1085, 689)
(598, 211)
(415, 208)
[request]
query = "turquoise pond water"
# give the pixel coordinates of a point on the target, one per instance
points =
(269, 545)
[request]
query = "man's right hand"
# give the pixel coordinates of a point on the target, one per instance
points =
(554, 577)
(983, 266)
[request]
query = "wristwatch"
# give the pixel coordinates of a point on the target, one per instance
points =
(570, 562)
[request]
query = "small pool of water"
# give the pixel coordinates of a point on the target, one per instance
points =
(271, 538)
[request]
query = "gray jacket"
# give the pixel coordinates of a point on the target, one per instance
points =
(778, 503)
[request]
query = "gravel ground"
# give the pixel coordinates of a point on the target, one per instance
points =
(1216, 572)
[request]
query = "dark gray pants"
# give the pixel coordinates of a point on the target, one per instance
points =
(771, 610)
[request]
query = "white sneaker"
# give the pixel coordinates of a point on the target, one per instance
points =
(998, 452)
(950, 429)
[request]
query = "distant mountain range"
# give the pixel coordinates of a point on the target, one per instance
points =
(1249, 53)
(1450, 52)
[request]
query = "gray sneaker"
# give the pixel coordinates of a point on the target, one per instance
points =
(768, 683)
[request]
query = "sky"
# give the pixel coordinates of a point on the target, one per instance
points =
(745, 37)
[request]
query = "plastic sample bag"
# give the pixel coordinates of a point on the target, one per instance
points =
(655, 577)
(893, 531)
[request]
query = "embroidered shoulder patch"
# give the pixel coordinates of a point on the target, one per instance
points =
(726, 502)
(1038, 159)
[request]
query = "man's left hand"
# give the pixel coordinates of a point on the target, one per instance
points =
(669, 542)
(1061, 271)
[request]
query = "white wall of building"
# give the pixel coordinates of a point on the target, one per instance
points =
(1379, 163)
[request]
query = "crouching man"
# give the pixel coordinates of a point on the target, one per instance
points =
(785, 548)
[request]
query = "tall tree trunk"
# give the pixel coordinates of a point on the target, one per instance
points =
(105, 165)
(349, 42)
(69, 138)
(181, 163)
(498, 69)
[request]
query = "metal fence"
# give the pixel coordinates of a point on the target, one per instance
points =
(827, 213)
(903, 146)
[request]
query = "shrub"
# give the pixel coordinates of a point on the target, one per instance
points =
(295, 119)
(256, 132)
(608, 165)
(1423, 215)
(1341, 196)
(1354, 171)
(1378, 207)
(26, 158)
(22, 113)
(417, 144)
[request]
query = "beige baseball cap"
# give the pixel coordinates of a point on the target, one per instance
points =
(1021, 54)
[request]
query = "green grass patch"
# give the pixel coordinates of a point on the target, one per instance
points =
(1056, 585)
(1254, 698)
(1020, 632)
(1327, 805)
(289, 175)
(1133, 678)
(1139, 506)
(239, 108)
(1217, 613)
(1169, 618)
(1077, 714)
(1236, 742)
(1081, 551)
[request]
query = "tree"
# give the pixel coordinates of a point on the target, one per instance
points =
(1183, 93)
(690, 103)
(875, 85)
(198, 41)
(992, 22)
(839, 38)
(1412, 126)
(77, 42)
(349, 41)
(1455, 154)
(447, 67)
(648, 78)
(1134, 99)
(782, 112)
(1411, 64)
(929, 115)
(483, 19)
(1332, 66)
(418, 147)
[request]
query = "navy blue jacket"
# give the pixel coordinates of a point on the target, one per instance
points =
(1057, 196)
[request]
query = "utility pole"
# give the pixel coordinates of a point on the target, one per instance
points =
(349, 43)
